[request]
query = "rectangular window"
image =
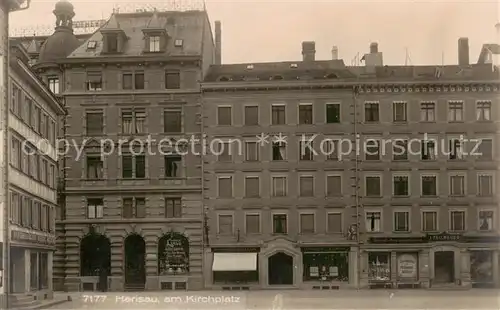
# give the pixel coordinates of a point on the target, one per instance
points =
(306, 186)
(173, 164)
(332, 113)
(400, 150)
(372, 112)
(154, 44)
(485, 149)
(172, 120)
(485, 185)
(305, 150)
(373, 220)
(134, 208)
(307, 224)
(54, 85)
(279, 151)
(225, 224)
(278, 114)
(333, 186)
(224, 152)
(224, 117)
(457, 185)
(332, 148)
(456, 111)
(429, 185)
(133, 166)
(95, 208)
(225, 187)
(372, 185)
(172, 80)
(15, 153)
(251, 115)
(95, 167)
(401, 185)
(252, 223)
(94, 81)
(280, 224)
(14, 100)
(427, 112)
(133, 80)
(133, 121)
(428, 150)
(399, 112)
(457, 221)
(173, 208)
(372, 149)
(483, 111)
(251, 151)
(94, 122)
(455, 148)
(429, 221)
(486, 220)
(252, 187)
(305, 114)
(334, 223)
(27, 110)
(111, 43)
(127, 79)
(279, 186)
(401, 221)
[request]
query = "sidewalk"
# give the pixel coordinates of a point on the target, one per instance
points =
(59, 298)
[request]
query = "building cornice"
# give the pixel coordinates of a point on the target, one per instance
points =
(142, 59)
(363, 86)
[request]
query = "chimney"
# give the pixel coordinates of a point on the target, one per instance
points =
(373, 59)
(218, 43)
(308, 50)
(374, 48)
(335, 53)
(463, 51)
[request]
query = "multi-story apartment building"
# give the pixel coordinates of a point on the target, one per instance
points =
(290, 205)
(131, 207)
(33, 113)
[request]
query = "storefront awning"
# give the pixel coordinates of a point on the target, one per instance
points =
(235, 262)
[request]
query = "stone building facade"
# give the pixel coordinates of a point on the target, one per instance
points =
(411, 207)
(130, 219)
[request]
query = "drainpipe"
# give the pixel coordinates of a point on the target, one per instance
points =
(355, 92)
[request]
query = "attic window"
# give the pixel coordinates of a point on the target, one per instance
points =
(112, 43)
(179, 42)
(277, 77)
(249, 67)
(224, 79)
(91, 45)
(331, 76)
(154, 44)
(293, 66)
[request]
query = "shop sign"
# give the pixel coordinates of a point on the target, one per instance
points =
(324, 249)
(407, 266)
(395, 240)
(444, 237)
(236, 250)
(21, 236)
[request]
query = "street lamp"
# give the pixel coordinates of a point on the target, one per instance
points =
(7, 6)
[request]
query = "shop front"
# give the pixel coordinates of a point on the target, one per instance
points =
(481, 269)
(234, 268)
(325, 267)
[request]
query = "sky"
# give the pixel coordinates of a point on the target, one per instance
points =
(407, 32)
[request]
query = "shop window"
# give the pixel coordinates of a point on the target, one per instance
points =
(44, 271)
(34, 271)
(407, 267)
(235, 277)
(379, 266)
(326, 266)
(481, 267)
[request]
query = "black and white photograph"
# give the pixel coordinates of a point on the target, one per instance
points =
(249, 154)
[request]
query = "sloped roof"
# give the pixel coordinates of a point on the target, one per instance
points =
(335, 69)
(187, 26)
(488, 48)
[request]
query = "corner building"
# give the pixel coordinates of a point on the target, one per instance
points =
(281, 215)
(130, 219)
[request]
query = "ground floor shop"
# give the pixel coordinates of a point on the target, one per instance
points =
(430, 262)
(31, 272)
(281, 264)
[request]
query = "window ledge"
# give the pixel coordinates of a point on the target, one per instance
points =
(429, 196)
(401, 196)
(402, 232)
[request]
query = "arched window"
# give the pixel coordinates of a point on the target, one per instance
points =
(95, 255)
(173, 254)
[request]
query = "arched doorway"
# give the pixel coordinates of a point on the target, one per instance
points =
(173, 254)
(135, 262)
(95, 258)
(280, 269)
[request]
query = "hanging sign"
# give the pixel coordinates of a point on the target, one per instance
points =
(407, 266)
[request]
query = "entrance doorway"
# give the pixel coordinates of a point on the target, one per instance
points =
(95, 258)
(135, 269)
(280, 269)
(444, 267)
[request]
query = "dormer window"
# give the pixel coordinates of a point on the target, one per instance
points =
(91, 45)
(112, 43)
(53, 84)
(179, 42)
(154, 43)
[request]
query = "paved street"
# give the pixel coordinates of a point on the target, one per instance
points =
(418, 299)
